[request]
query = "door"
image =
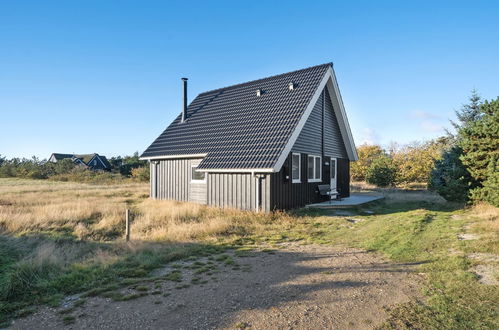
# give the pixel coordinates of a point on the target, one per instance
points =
(333, 174)
(197, 183)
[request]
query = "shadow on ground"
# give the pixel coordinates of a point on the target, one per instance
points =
(295, 286)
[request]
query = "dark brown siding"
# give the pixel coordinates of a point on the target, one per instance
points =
(287, 195)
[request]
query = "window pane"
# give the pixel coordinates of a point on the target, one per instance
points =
(197, 175)
(310, 167)
(317, 167)
(295, 167)
(333, 168)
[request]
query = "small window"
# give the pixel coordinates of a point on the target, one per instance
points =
(314, 169)
(196, 176)
(295, 168)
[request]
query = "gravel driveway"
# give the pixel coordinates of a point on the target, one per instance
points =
(294, 287)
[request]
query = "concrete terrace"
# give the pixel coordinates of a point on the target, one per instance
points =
(355, 199)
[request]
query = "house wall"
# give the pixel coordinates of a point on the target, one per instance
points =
(170, 179)
(310, 139)
(238, 190)
(320, 136)
(284, 194)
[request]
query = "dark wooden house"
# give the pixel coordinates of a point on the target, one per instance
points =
(262, 145)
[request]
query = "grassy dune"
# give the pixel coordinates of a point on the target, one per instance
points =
(58, 239)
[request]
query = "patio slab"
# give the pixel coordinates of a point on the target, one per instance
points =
(354, 200)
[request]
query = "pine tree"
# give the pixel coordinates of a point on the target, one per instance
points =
(468, 113)
(480, 143)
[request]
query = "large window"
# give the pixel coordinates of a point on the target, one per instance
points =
(196, 176)
(296, 168)
(314, 169)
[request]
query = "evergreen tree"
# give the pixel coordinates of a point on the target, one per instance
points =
(479, 140)
(468, 113)
(450, 177)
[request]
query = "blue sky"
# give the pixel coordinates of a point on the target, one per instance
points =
(104, 76)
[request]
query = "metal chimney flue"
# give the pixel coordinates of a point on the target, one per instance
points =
(184, 92)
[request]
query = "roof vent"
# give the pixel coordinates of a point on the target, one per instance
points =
(291, 86)
(258, 92)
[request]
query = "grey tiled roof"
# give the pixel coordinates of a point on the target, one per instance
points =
(236, 128)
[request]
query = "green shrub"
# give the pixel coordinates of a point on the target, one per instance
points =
(381, 172)
(141, 173)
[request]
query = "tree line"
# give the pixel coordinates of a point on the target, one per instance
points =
(66, 170)
(461, 166)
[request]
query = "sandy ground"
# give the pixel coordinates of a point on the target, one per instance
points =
(294, 287)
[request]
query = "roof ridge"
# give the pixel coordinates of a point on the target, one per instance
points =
(273, 76)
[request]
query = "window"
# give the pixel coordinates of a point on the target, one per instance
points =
(295, 168)
(314, 169)
(196, 176)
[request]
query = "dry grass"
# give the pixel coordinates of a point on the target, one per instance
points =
(410, 193)
(94, 212)
(81, 209)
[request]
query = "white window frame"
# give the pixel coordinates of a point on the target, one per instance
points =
(194, 180)
(299, 167)
(320, 168)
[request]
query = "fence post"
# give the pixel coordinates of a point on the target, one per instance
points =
(127, 225)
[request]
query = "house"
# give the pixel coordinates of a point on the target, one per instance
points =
(91, 161)
(263, 145)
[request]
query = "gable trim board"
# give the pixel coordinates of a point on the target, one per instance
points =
(328, 81)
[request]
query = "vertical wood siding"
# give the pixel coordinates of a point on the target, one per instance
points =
(238, 190)
(170, 179)
(287, 195)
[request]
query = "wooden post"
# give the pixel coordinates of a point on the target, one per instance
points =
(127, 225)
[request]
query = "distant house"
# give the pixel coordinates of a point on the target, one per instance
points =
(275, 143)
(90, 161)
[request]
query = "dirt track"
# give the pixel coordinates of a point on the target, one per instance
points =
(298, 287)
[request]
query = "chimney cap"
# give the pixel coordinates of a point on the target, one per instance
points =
(184, 79)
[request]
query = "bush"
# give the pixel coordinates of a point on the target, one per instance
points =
(141, 173)
(80, 174)
(449, 178)
(367, 153)
(415, 161)
(381, 172)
